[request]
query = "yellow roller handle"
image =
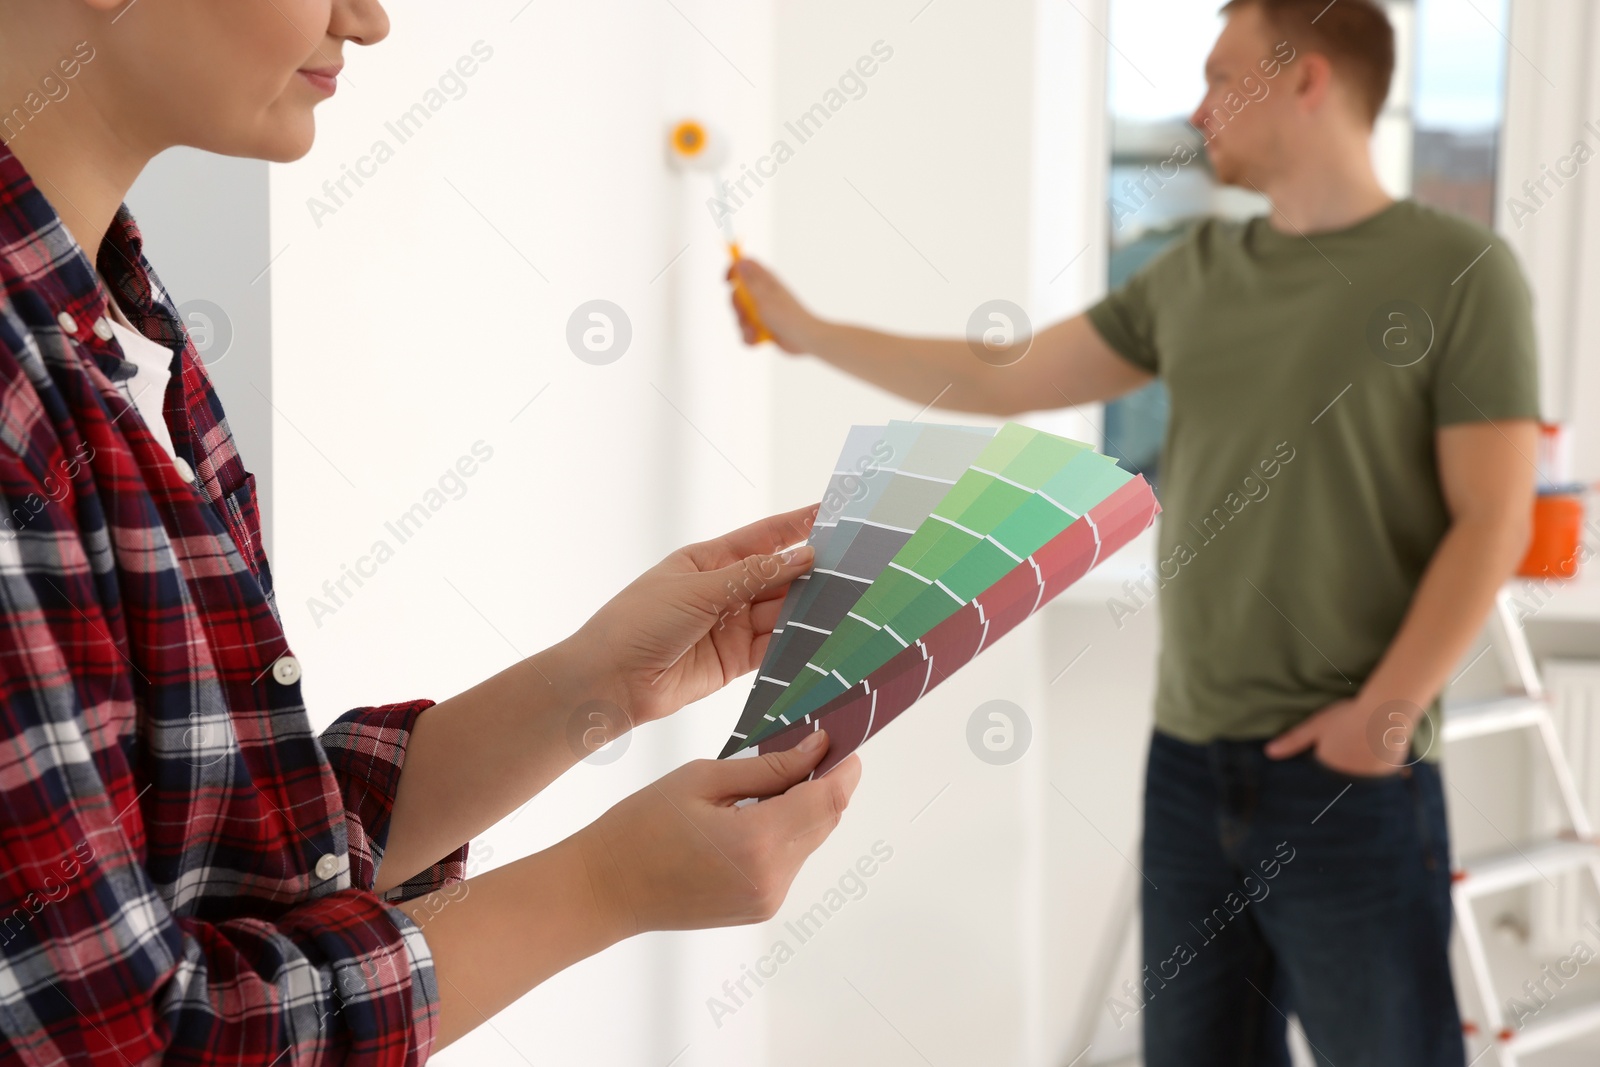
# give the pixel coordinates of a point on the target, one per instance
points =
(742, 297)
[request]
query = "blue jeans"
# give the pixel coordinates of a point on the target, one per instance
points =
(1277, 888)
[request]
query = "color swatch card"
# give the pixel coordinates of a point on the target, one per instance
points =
(886, 482)
(932, 542)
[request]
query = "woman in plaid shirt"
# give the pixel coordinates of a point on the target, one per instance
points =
(190, 875)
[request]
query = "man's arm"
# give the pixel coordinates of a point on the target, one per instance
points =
(1068, 364)
(1487, 472)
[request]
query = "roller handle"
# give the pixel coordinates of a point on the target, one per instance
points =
(742, 297)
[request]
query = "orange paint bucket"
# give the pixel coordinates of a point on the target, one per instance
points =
(1557, 535)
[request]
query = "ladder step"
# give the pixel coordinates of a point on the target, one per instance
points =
(1543, 1032)
(1519, 867)
(1477, 718)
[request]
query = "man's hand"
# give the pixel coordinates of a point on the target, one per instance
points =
(792, 327)
(1356, 737)
(698, 619)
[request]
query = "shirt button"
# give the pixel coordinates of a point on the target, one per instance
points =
(102, 328)
(185, 471)
(286, 671)
(327, 867)
(67, 323)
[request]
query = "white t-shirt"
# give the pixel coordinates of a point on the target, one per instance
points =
(147, 388)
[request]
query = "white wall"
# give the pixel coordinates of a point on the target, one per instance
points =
(204, 221)
(425, 313)
(970, 170)
(1552, 97)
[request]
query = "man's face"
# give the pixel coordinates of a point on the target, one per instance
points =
(1249, 103)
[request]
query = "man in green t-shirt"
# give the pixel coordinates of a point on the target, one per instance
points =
(1346, 485)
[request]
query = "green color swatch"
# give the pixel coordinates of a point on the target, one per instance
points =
(1024, 489)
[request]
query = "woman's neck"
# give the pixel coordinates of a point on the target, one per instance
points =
(76, 155)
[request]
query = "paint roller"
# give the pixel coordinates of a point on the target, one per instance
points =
(694, 146)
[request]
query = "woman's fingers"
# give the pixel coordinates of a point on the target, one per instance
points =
(808, 812)
(762, 537)
(764, 615)
(699, 596)
(679, 855)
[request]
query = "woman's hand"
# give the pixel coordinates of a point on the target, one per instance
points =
(679, 855)
(698, 619)
(687, 627)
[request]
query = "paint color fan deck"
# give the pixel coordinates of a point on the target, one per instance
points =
(932, 542)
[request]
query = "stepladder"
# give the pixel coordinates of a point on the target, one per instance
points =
(1511, 1007)
(1525, 1004)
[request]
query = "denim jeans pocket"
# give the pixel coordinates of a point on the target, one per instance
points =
(1345, 777)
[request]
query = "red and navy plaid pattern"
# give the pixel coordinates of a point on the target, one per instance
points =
(186, 870)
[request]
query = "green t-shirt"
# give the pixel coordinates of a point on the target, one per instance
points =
(1301, 495)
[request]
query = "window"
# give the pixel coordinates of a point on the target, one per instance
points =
(1460, 104)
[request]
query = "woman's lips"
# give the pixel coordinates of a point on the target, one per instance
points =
(325, 81)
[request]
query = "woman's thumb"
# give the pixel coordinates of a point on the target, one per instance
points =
(773, 772)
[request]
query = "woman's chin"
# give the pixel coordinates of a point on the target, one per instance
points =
(280, 141)
(292, 143)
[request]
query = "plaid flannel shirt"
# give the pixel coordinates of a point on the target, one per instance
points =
(187, 869)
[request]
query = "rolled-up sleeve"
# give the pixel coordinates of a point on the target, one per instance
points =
(345, 979)
(367, 748)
